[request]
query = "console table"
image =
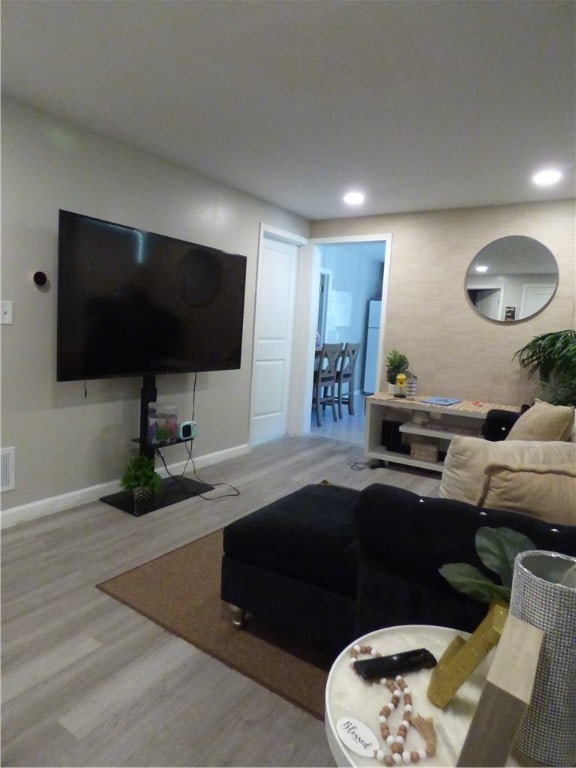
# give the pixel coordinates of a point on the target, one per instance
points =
(415, 433)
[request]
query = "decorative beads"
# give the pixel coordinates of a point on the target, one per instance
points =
(400, 694)
(365, 650)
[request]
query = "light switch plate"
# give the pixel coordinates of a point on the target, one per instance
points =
(6, 313)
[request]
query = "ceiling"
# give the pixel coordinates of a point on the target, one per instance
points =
(423, 104)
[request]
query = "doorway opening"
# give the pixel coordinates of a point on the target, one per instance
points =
(353, 275)
(304, 324)
(487, 301)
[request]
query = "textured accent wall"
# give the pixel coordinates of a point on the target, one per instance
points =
(452, 349)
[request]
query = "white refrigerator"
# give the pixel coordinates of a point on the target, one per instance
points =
(372, 338)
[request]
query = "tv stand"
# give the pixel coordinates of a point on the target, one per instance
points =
(148, 394)
(174, 489)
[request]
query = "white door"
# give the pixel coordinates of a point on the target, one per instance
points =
(534, 298)
(273, 339)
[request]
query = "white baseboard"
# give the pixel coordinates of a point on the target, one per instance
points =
(48, 506)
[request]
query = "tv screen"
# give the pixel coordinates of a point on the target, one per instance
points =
(134, 303)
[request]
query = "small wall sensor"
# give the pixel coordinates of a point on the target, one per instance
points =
(40, 279)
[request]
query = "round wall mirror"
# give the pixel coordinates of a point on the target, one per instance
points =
(512, 279)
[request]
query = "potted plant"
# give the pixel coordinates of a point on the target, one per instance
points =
(497, 549)
(141, 479)
(554, 356)
(396, 363)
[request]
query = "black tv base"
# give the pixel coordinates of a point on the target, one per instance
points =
(174, 489)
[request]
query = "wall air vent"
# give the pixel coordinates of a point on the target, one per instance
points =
(7, 469)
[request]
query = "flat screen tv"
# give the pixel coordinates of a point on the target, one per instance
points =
(135, 303)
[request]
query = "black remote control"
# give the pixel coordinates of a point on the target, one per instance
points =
(389, 666)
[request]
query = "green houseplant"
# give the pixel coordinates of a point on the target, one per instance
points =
(497, 549)
(553, 355)
(396, 363)
(141, 478)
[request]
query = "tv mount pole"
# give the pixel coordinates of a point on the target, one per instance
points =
(148, 394)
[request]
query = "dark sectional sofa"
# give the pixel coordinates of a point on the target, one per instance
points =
(331, 563)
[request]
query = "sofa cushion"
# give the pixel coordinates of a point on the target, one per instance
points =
(309, 535)
(464, 471)
(548, 493)
(544, 421)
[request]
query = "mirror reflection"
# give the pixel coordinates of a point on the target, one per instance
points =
(512, 279)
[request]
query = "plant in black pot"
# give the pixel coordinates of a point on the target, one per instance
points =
(553, 355)
(142, 480)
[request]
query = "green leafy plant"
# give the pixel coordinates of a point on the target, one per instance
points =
(497, 548)
(553, 355)
(140, 473)
(396, 363)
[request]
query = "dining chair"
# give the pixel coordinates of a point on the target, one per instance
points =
(324, 390)
(345, 376)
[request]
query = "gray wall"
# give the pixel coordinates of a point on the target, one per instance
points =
(64, 440)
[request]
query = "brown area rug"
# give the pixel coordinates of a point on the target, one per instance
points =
(181, 591)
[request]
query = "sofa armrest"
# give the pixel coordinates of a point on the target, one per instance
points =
(498, 424)
(405, 538)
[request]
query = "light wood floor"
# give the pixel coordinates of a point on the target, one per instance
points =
(88, 682)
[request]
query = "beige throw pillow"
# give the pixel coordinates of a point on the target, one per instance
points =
(544, 421)
(463, 474)
(548, 493)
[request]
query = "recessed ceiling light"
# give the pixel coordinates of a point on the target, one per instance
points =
(547, 177)
(481, 268)
(353, 198)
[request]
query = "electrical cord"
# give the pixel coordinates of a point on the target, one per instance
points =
(235, 491)
(176, 478)
(190, 460)
(358, 466)
(194, 395)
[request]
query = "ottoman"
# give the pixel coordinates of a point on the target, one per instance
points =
(294, 563)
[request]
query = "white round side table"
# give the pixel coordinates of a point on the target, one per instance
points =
(348, 695)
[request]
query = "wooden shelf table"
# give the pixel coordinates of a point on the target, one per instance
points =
(425, 426)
